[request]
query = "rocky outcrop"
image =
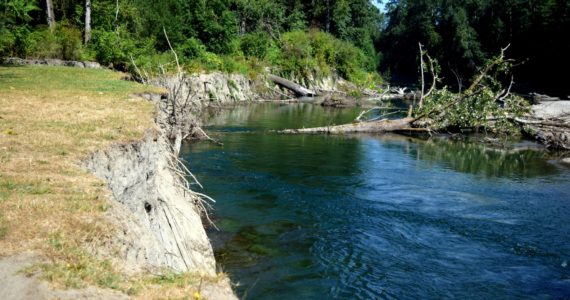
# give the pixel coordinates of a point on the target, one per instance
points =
(51, 62)
(213, 88)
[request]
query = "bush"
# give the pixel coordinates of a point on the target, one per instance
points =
(7, 42)
(255, 44)
(23, 42)
(70, 41)
(116, 48)
(45, 44)
(349, 60)
(191, 49)
(319, 54)
(211, 61)
(107, 47)
(63, 43)
(296, 54)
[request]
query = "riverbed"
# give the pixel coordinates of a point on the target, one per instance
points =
(379, 216)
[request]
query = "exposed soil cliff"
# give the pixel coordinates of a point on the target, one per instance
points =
(161, 226)
(146, 221)
(158, 217)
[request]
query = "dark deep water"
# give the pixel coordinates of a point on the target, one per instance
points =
(367, 217)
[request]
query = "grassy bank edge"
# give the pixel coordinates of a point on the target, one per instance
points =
(51, 118)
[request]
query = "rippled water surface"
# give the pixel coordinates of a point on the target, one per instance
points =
(367, 217)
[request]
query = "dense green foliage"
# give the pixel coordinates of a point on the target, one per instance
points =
(462, 34)
(486, 104)
(306, 38)
(301, 38)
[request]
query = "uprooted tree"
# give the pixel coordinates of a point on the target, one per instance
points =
(487, 105)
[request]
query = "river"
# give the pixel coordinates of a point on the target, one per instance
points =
(379, 216)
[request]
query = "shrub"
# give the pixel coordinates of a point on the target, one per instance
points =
(45, 44)
(255, 44)
(319, 54)
(23, 43)
(235, 64)
(210, 61)
(349, 60)
(117, 47)
(70, 42)
(64, 42)
(296, 54)
(7, 42)
(191, 49)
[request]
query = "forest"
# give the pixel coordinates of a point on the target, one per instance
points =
(350, 38)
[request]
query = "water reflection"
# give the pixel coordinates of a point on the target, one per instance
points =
(278, 116)
(382, 216)
(518, 160)
(524, 160)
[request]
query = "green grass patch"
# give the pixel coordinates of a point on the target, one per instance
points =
(32, 188)
(3, 227)
(67, 79)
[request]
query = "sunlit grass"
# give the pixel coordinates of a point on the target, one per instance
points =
(51, 118)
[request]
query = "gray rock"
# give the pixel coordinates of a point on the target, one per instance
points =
(91, 65)
(75, 64)
(52, 62)
(215, 88)
(55, 62)
(553, 109)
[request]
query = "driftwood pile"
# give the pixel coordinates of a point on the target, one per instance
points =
(548, 123)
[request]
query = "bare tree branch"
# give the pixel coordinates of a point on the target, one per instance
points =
(174, 52)
(422, 73)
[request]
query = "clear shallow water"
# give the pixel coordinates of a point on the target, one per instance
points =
(367, 217)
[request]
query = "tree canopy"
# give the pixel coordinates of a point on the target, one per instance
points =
(461, 35)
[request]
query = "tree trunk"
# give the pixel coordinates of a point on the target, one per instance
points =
(360, 127)
(290, 85)
(87, 21)
(328, 18)
(50, 15)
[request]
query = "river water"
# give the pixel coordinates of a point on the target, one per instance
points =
(379, 217)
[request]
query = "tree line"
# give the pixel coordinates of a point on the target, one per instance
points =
(352, 38)
(300, 38)
(462, 35)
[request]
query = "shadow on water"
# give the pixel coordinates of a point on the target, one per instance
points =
(385, 216)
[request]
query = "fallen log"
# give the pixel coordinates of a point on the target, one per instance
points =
(554, 137)
(549, 123)
(358, 127)
(299, 90)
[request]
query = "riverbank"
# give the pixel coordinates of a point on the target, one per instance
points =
(76, 230)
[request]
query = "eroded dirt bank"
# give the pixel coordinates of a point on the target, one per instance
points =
(141, 216)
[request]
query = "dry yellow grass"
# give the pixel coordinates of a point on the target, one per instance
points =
(50, 119)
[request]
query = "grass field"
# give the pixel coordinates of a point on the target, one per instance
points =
(50, 119)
